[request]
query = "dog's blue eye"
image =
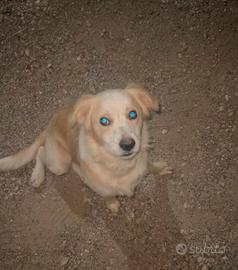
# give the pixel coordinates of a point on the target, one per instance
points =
(132, 115)
(104, 121)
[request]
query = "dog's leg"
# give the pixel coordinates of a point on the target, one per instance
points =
(57, 159)
(113, 204)
(38, 174)
(161, 167)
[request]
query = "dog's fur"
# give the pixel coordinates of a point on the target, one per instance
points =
(75, 138)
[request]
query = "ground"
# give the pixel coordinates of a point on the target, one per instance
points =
(186, 53)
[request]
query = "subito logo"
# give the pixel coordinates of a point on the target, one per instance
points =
(181, 249)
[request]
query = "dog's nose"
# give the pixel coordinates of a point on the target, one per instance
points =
(127, 144)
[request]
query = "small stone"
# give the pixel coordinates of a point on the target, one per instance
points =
(49, 65)
(44, 3)
(179, 55)
(63, 244)
(173, 91)
(199, 259)
(104, 33)
(64, 261)
(130, 216)
(204, 267)
(27, 52)
(138, 220)
(205, 35)
(221, 108)
(226, 97)
(78, 58)
(164, 131)
(113, 205)
(87, 200)
(182, 231)
(185, 205)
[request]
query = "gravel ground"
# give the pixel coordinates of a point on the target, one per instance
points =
(186, 52)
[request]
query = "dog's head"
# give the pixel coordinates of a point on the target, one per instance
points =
(114, 118)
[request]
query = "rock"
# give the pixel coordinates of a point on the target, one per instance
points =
(199, 259)
(64, 261)
(164, 131)
(27, 52)
(185, 205)
(113, 205)
(221, 108)
(130, 216)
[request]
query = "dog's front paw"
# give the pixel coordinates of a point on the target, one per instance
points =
(37, 176)
(113, 204)
(161, 167)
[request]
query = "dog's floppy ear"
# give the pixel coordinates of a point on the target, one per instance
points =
(82, 111)
(146, 101)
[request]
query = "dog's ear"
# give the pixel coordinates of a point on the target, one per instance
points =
(82, 111)
(146, 101)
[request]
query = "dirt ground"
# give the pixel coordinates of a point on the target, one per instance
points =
(185, 52)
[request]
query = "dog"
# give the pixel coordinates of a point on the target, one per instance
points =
(103, 137)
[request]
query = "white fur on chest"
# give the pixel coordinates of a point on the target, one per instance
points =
(118, 178)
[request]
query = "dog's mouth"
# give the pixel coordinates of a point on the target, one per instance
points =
(128, 155)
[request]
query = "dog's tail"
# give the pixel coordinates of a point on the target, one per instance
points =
(22, 157)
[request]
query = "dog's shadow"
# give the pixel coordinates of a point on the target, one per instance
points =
(145, 227)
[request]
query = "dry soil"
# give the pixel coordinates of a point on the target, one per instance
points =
(186, 53)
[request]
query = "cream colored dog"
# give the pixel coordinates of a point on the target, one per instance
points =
(102, 137)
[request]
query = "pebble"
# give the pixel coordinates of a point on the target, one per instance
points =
(199, 259)
(222, 184)
(130, 216)
(164, 131)
(226, 97)
(185, 205)
(173, 91)
(44, 3)
(64, 261)
(182, 231)
(221, 109)
(27, 52)
(63, 244)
